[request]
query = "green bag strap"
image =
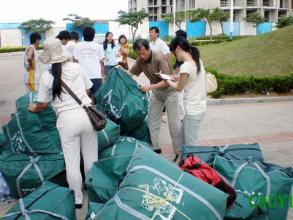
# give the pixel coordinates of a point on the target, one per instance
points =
(24, 212)
(266, 177)
(177, 184)
(33, 162)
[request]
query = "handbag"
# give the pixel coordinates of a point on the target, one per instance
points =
(97, 118)
(211, 83)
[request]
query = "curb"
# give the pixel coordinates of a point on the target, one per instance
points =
(230, 101)
(11, 54)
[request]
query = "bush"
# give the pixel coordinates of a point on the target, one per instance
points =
(231, 85)
(284, 21)
(14, 49)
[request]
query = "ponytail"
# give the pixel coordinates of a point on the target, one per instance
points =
(195, 56)
(56, 71)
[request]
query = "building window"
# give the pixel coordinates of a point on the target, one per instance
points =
(267, 16)
(164, 10)
(164, 2)
(191, 4)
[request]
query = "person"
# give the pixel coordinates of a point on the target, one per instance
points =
(111, 52)
(192, 80)
(31, 64)
(159, 45)
(151, 63)
(176, 66)
(75, 129)
(123, 50)
(64, 36)
(90, 55)
(69, 47)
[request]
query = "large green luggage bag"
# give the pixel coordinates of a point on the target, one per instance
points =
(122, 101)
(141, 133)
(155, 188)
(105, 175)
(48, 202)
(24, 174)
(256, 184)
(2, 142)
(109, 135)
(27, 133)
(234, 151)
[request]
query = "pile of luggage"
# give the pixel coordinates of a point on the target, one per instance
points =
(130, 181)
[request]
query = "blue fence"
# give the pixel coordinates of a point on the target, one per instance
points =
(9, 25)
(100, 28)
(196, 29)
(162, 25)
(264, 28)
(236, 28)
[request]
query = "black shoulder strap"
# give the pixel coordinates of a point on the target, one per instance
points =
(71, 92)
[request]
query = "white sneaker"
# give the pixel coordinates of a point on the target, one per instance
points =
(164, 118)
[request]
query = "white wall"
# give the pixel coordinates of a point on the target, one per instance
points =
(143, 30)
(246, 28)
(118, 29)
(10, 37)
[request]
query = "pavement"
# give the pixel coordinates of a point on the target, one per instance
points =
(269, 123)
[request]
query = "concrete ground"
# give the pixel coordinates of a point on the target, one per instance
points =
(269, 124)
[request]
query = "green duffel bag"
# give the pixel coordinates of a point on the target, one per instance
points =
(27, 133)
(23, 101)
(93, 208)
(48, 202)
(105, 175)
(2, 142)
(24, 174)
(141, 133)
(155, 188)
(109, 135)
(259, 182)
(233, 151)
(122, 101)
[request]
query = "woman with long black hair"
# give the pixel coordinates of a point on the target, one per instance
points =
(111, 52)
(75, 129)
(192, 81)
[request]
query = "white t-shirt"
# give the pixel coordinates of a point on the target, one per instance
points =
(194, 91)
(70, 46)
(89, 54)
(78, 82)
(159, 46)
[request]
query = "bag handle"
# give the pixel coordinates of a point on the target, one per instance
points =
(71, 93)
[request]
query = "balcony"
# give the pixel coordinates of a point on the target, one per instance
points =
(227, 3)
(251, 3)
(268, 3)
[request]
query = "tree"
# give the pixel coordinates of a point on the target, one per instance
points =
(79, 22)
(220, 16)
(179, 18)
(37, 25)
(133, 19)
(255, 18)
(284, 21)
(201, 14)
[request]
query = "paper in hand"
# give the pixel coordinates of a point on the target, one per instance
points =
(165, 76)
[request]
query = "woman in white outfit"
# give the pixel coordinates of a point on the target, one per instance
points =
(75, 129)
(192, 81)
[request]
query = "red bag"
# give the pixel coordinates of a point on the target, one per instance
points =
(204, 172)
(201, 170)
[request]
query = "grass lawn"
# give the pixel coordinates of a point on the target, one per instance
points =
(264, 55)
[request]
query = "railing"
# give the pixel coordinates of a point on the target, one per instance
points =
(225, 3)
(268, 4)
(251, 3)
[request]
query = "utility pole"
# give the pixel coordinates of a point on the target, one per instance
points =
(231, 18)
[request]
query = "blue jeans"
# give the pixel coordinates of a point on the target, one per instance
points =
(96, 85)
(190, 128)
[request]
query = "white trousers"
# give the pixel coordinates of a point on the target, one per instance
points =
(77, 135)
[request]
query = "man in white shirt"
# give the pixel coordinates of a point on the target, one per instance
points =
(159, 46)
(90, 55)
